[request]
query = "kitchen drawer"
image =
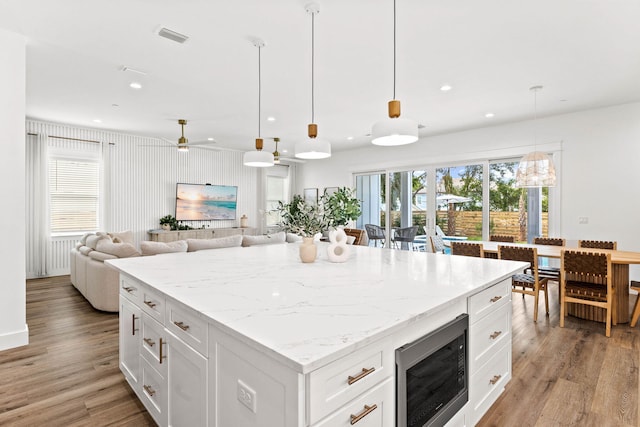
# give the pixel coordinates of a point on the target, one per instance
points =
(154, 343)
(488, 300)
(376, 408)
(187, 326)
(488, 334)
(153, 304)
(489, 381)
(329, 386)
(154, 393)
(131, 289)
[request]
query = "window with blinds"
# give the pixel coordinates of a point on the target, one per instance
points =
(74, 194)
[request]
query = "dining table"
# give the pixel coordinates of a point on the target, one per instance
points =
(620, 261)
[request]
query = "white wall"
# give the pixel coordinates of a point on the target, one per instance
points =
(13, 327)
(600, 159)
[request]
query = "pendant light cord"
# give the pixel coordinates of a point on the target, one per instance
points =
(259, 89)
(394, 49)
(313, 16)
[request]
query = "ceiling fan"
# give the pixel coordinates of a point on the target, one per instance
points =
(277, 158)
(183, 143)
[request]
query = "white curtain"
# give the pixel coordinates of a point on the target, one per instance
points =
(37, 197)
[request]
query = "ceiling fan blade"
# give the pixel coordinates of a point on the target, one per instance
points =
(291, 160)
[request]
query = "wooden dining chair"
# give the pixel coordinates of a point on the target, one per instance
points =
(467, 249)
(502, 238)
(636, 309)
(586, 279)
(437, 244)
(552, 273)
(597, 244)
(528, 282)
(357, 233)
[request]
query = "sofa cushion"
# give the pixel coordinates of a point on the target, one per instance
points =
(101, 256)
(122, 237)
(121, 250)
(83, 239)
(292, 238)
(92, 241)
(220, 242)
(155, 248)
(268, 239)
(84, 250)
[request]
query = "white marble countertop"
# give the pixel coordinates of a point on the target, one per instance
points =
(305, 315)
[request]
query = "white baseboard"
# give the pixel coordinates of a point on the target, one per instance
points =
(15, 339)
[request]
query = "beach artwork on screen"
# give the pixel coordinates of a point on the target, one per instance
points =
(202, 202)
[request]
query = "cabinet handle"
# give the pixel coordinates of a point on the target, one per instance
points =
(150, 303)
(161, 356)
(361, 375)
(366, 411)
(133, 324)
(181, 325)
(495, 335)
(129, 288)
(496, 298)
(149, 342)
(150, 391)
(495, 379)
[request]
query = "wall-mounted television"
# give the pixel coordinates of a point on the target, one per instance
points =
(204, 202)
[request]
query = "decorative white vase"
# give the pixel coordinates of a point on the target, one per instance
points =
(338, 250)
(308, 250)
(166, 227)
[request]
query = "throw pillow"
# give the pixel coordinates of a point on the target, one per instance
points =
(155, 248)
(121, 250)
(268, 239)
(123, 236)
(92, 241)
(220, 242)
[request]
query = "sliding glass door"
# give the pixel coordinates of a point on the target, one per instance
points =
(459, 201)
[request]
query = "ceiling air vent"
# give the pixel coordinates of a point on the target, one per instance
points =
(172, 35)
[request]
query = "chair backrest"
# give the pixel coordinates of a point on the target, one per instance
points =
(519, 253)
(437, 244)
(467, 249)
(588, 267)
(374, 232)
(439, 231)
(406, 234)
(357, 233)
(549, 241)
(499, 238)
(597, 244)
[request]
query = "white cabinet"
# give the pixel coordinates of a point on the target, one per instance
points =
(130, 341)
(199, 233)
(489, 346)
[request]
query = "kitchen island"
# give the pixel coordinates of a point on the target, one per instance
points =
(253, 337)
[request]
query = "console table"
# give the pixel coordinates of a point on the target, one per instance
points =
(199, 233)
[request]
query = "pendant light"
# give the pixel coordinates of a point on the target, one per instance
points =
(314, 148)
(258, 158)
(536, 169)
(394, 130)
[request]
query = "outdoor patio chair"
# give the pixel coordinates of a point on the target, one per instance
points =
(437, 245)
(597, 244)
(530, 283)
(405, 236)
(467, 249)
(586, 279)
(375, 233)
(501, 238)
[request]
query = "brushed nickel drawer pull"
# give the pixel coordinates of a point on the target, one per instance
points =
(150, 391)
(496, 298)
(361, 375)
(161, 356)
(150, 303)
(367, 410)
(129, 288)
(495, 335)
(495, 379)
(181, 325)
(133, 324)
(149, 342)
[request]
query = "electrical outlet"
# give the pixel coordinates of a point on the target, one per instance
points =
(583, 220)
(247, 396)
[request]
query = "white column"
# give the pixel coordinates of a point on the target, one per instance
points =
(13, 328)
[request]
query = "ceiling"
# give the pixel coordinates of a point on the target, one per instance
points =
(586, 54)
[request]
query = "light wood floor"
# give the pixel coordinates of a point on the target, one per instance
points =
(68, 375)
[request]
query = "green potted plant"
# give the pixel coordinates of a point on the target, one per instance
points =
(168, 222)
(341, 207)
(303, 219)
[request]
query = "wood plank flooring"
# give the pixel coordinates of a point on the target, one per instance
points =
(68, 375)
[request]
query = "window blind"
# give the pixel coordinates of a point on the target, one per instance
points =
(74, 194)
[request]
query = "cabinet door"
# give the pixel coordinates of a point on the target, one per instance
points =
(187, 384)
(130, 338)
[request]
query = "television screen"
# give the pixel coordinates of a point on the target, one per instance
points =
(202, 202)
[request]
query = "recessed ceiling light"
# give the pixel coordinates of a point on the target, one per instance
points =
(563, 100)
(489, 115)
(285, 151)
(209, 139)
(349, 138)
(97, 120)
(135, 85)
(446, 88)
(115, 105)
(271, 119)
